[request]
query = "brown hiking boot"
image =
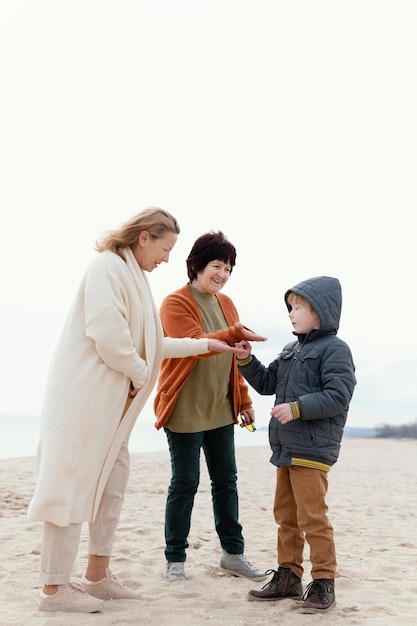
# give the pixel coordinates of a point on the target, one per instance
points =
(319, 596)
(283, 584)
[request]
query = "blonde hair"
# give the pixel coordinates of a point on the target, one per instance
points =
(155, 221)
(295, 298)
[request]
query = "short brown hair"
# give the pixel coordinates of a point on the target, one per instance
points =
(212, 246)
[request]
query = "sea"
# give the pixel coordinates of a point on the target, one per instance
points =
(19, 436)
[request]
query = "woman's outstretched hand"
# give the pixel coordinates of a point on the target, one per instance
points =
(249, 334)
(215, 345)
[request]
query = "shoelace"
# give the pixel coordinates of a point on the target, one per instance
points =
(175, 569)
(244, 559)
(113, 579)
(316, 587)
(275, 579)
(73, 589)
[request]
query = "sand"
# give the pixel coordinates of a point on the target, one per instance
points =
(373, 507)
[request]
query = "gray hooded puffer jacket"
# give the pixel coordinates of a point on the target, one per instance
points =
(318, 372)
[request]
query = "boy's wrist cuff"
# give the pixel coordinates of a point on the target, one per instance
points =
(242, 362)
(295, 410)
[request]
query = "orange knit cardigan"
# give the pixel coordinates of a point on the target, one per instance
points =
(181, 317)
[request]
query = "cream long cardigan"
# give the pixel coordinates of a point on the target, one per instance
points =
(112, 336)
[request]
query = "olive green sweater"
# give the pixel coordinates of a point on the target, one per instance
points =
(181, 317)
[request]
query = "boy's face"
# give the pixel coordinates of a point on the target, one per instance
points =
(303, 319)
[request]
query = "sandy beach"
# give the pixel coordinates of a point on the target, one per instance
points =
(373, 507)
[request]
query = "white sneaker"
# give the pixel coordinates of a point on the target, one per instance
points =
(238, 565)
(70, 598)
(175, 571)
(109, 588)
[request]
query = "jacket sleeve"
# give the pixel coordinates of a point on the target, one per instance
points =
(263, 379)
(338, 383)
(180, 347)
(181, 317)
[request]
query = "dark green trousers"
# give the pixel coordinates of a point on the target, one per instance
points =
(219, 450)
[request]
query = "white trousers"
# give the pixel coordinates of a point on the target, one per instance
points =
(60, 543)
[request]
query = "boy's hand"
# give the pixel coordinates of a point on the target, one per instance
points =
(282, 412)
(244, 349)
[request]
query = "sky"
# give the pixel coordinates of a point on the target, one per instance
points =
(290, 126)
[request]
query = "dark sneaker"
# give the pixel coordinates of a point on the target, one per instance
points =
(319, 596)
(283, 584)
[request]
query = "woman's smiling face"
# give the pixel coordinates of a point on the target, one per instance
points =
(213, 277)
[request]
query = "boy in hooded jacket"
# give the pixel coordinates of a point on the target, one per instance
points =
(313, 379)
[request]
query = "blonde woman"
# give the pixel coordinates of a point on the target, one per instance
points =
(103, 371)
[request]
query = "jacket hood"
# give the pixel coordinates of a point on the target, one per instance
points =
(324, 293)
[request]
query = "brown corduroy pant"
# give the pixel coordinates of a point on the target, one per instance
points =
(300, 510)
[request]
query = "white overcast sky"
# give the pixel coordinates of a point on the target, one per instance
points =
(291, 126)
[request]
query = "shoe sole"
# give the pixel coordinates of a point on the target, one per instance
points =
(113, 597)
(308, 611)
(252, 598)
(54, 608)
(105, 597)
